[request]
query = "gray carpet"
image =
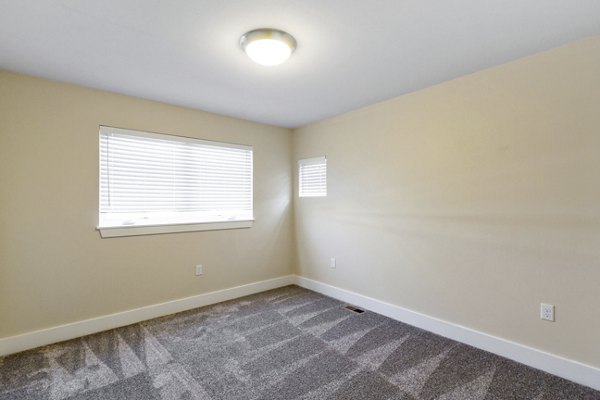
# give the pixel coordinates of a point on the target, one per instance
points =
(285, 344)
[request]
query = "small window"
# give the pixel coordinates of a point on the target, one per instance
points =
(312, 177)
(149, 179)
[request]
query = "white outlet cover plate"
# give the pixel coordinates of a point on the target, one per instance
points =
(199, 270)
(547, 312)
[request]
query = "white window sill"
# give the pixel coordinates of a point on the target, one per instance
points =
(137, 230)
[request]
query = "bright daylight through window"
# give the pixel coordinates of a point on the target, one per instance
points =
(149, 179)
(312, 177)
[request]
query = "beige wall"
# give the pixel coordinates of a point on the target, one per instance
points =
(55, 269)
(471, 201)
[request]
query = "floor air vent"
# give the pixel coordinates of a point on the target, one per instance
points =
(353, 309)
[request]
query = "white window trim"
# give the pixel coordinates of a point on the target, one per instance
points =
(138, 230)
(111, 231)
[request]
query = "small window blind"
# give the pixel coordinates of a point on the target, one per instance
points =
(312, 177)
(155, 179)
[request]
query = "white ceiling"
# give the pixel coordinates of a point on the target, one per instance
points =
(350, 53)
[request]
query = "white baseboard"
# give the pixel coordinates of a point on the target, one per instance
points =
(553, 364)
(73, 330)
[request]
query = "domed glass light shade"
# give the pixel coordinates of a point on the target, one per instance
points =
(268, 47)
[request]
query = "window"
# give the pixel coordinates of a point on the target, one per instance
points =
(312, 177)
(150, 180)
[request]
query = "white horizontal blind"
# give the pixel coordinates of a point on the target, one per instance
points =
(312, 177)
(154, 179)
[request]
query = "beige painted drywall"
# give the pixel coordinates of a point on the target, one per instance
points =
(471, 201)
(55, 268)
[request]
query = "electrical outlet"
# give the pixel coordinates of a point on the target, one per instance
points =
(332, 263)
(547, 312)
(199, 270)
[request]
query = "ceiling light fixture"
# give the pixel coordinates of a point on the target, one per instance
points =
(268, 47)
